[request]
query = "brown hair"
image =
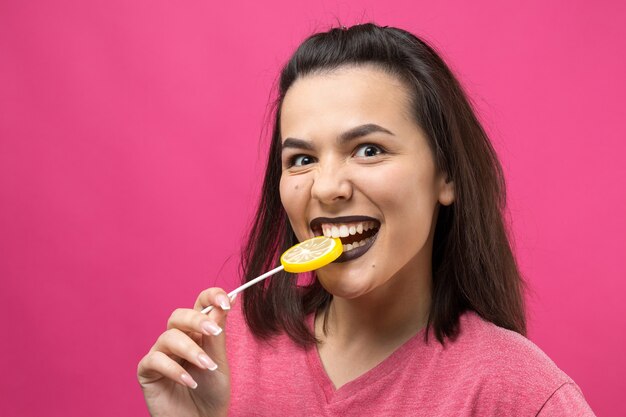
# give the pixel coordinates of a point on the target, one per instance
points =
(473, 264)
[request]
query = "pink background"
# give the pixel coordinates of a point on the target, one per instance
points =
(130, 157)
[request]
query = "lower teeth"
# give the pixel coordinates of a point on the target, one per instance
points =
(350, 246)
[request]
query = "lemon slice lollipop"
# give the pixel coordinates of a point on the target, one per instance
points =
(306, 256)
(311, 254)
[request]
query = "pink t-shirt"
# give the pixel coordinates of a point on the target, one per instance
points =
(486, 371)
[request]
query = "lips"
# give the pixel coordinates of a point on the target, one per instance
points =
(357, 233)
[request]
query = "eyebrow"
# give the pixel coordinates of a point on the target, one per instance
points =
(297, 144)
(347, 136)
(360, 131)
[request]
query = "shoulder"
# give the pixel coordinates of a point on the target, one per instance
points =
(506, 370)
(265, 374)
(239, 338)
(245, 349)
(492, 350)
(235, 322)
(568, 400)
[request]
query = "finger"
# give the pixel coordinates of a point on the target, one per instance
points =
(188, 320)
(217, 298)
(156, 365)
(175, 342)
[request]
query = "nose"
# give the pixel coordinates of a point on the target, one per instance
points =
(331, 184)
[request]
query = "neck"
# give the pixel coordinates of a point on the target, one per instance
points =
(388, 315)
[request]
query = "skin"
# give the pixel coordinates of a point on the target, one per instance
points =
(380, 299)
(178, 375)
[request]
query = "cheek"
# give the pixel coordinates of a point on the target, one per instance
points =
(293, 197)
(286, 194)
(394, 187)
(404, 194)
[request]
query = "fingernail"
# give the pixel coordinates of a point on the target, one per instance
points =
(211, 328)
(223, 301)
(207, 362)
(188, 380)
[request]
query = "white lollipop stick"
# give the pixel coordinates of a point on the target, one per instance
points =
(306, 256)
(246, 285)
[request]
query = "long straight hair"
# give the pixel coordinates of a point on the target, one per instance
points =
(473, 264)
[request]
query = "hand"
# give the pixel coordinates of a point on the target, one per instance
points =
(186, 372)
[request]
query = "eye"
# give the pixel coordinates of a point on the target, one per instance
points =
(367, 151)
(301, 160)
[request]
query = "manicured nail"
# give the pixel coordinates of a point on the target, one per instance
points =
(223, 301)
(207, 362)
(211, 328)
(188, 380)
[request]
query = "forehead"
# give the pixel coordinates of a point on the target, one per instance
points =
(343, 98)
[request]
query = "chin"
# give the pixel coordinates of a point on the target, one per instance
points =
(344, 284)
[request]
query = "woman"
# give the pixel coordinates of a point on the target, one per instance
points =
(373, 141)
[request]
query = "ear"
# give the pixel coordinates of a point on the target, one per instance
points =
(446, 190)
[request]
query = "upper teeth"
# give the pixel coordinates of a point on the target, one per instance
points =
(346, 229)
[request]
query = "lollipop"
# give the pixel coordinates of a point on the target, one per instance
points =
(306, 256)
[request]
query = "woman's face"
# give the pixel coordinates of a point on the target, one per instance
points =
(356, 165)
